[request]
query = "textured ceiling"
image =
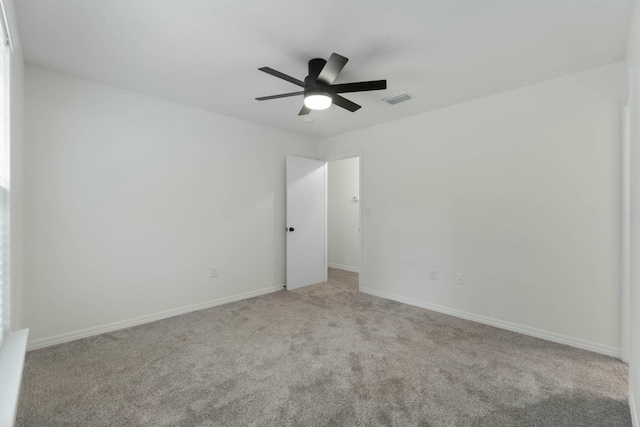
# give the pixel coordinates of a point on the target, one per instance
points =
(206, 53)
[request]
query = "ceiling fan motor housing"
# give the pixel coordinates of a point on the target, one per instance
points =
(318, 90)
(313, 86)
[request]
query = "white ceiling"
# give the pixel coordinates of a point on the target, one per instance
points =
(206, 53)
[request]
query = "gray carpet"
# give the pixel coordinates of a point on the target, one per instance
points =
(319, 356)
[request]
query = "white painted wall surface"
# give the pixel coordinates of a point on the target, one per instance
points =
(519, 192)
(633, 86)
(130, 200)
(343, 214)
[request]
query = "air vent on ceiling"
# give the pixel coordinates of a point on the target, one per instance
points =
(397, 99)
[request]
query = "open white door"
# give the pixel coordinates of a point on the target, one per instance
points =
(305, 222)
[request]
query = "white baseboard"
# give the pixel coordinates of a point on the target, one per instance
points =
(344, 267)
(634, 413)
(526, 330)
(110, 327)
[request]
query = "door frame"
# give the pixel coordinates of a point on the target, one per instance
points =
(625, 291)
(332, 158)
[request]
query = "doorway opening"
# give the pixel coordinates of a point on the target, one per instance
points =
(343, 221)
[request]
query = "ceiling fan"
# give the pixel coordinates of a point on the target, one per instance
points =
(319, 92)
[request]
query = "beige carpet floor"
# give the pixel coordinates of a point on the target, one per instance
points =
(320, 356)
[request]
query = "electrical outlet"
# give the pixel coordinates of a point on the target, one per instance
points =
(460, 279)
(214, 271)
(433, 275)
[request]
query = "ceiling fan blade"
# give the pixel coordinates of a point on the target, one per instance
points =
(282, 95)
(360, 86)
(282, 76)
(304, 111)
(345, 103)
(332, 68)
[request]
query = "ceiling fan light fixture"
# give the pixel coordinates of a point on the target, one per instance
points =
(317, 101)
(318, 88)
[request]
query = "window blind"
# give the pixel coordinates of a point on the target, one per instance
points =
(4, 189)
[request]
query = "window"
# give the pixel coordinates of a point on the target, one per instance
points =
(5, 52)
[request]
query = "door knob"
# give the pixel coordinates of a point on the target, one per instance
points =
(291, 229)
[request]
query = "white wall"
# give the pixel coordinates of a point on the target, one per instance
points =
(519, 192)
(130, 200)
(343, 214)
(633, 86)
